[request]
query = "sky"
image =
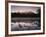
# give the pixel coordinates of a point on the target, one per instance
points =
(24, 9)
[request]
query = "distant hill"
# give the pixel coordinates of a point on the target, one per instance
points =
(24, 15)
(29, 14)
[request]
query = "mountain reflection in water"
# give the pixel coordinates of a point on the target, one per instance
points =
(28, 25)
